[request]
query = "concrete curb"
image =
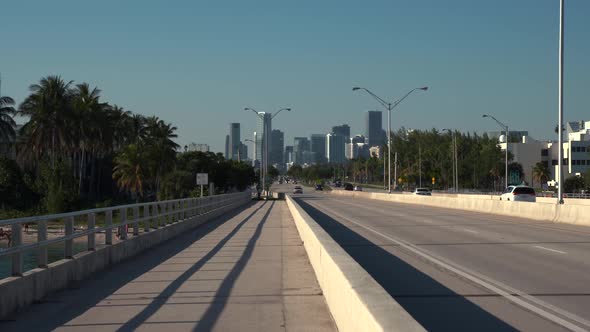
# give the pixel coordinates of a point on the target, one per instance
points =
(567, 213)
(17, 293)
(357, 302)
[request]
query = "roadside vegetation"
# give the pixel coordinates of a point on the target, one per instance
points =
(77, 151)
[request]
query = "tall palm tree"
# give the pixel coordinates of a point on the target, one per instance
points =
(7, 123)
(541, 172)
(92, 131)
(158, 136)
(128, 170)
(49, 109)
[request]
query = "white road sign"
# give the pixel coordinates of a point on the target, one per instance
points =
(202, 179)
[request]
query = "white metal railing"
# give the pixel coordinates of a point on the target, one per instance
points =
(155, 215)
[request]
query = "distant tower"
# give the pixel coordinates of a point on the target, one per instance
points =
(374, 127)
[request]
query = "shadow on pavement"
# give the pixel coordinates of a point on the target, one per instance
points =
(207, 321)
(433, 305)
(163, 297)
(61, 307)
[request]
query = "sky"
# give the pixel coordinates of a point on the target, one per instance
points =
(198, 64)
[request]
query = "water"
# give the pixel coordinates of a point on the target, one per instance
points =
(54, 253)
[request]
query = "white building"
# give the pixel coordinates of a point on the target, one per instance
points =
(576, 152)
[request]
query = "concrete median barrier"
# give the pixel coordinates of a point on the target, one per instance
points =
(357, 302)
(571, 212)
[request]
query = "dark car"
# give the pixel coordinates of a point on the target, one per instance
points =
(348, 186)
(319, 187)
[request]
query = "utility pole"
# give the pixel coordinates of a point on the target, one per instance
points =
(420, 163)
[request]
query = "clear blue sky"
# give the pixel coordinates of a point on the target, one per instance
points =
(197, 64)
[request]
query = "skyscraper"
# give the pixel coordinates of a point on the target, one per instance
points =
(374, 128)
(288, 154)
(335, 148)
(300, 145)
(318, 147)
(342, 130)
(226, 155)
(264, 126)
(277, 147)
(234, 140)
(243, 152)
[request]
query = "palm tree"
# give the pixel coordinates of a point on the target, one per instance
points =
(128, 170)
(7, 123)
(157, 136)
(49, 108)
(92, 131)
(541, 172)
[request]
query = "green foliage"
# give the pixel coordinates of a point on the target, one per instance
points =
(574, 184)
(14, 193)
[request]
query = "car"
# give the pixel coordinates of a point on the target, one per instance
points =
(519, 194)
(422, 192)
(298, 190)
(319, 187)
(348, 186)
(358, 188)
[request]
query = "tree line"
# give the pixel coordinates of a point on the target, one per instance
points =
(428, 154)
(75, 150)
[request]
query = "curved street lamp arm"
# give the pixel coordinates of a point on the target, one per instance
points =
(407, 94)
(253, 110)
(381, 101)
(279, 111)
(498, 122)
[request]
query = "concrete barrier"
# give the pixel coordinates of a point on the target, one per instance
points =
(18, 292)
(570, 213)
(357, 302)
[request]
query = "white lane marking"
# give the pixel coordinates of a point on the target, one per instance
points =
(553, 250)
(484, 281)
(469, 230)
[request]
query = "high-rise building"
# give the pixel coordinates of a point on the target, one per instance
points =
(358, 139)
(234, 140)
(288, 154)
(318, 146)
(277, 147)
(264, 126)
(226, 155)
(342, 130)
(335, 148)
(374, 128)
(300, 145)
(243, 152)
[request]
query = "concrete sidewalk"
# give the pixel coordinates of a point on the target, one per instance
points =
(245, 272)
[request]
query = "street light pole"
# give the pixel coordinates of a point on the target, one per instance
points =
(454, 158)
(264, 147)
(560, 128)
(505, 127)
(389, 106)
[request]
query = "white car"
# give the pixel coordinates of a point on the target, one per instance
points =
(298, 190)
(519, 194)
(422, 192)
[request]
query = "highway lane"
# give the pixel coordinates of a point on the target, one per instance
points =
(509, 267)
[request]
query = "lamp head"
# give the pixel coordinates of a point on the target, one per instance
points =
(484, 116)
(424, 88)
(356, 88)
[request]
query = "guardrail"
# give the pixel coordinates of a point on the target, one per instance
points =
(154, 216)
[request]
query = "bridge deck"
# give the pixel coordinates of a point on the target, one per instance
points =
(248, 273)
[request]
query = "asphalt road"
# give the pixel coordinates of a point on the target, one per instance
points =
(461, 270)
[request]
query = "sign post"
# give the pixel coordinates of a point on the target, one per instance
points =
(202, 180)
